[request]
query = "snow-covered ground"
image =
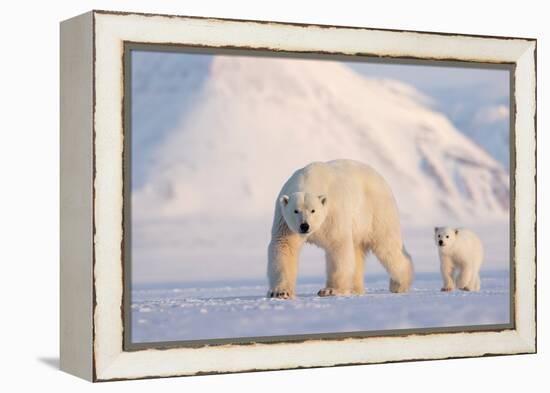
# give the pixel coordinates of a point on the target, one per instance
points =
(177, 312)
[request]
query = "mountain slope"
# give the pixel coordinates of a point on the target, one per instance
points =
(250, 122)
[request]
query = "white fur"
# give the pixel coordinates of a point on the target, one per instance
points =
(461, 255)
(354, 212)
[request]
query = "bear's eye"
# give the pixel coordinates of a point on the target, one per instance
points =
(313, 211)
(447, 236)
(296, 211)
(439, 236)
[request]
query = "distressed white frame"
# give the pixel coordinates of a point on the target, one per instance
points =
(110, 30)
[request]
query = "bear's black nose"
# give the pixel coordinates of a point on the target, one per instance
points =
(441, 242)
(304, 227)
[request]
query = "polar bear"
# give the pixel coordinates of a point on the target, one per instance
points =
(460, 255)
(346, 208)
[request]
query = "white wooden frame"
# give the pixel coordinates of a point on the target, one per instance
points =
(92, 47)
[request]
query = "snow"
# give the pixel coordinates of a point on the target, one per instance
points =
(177, 312)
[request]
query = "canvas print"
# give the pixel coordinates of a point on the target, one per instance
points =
(276, 197)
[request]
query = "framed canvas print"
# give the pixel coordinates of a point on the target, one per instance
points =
(245, 195)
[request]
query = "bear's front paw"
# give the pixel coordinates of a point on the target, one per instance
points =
(333, 292)
(465, 289)
(279, 294)
(446, 289)
(326, 292)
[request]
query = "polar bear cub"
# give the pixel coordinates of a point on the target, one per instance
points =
(460, 255)
(346, 208)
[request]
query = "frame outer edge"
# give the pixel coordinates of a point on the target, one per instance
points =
(526, 221)
(76, 205)
(114, 364)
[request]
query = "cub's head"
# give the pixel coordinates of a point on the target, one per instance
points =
(445, 237)
(303, 212)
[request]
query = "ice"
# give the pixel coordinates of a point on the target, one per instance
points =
(211, 311)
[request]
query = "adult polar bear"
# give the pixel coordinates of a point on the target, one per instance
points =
(346, 208)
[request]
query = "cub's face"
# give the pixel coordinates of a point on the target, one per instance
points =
(445, 237)
(303, 212)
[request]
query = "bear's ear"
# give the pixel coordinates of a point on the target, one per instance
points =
(436, 229)
(323, 199)
(284, 200)
(456, 231)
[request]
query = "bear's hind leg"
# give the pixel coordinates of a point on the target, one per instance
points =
(466, 279)
(358, 275)
(399, 266)
(474, 284)
(477, 283)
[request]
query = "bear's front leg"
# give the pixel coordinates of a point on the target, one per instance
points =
(447, 271)
(340, 260)
(282, 267)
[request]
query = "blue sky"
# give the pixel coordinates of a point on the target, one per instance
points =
(431, 78)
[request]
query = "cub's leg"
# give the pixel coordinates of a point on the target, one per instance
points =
(447, 274)
(465, 279)
(340, 264)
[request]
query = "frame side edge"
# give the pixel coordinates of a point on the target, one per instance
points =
(76, 241)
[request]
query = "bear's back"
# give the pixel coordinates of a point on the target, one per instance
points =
(342, 179)
(339, 171)
(467, 235)
(469, 242)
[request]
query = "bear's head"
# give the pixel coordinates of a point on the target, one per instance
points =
(304, 212)
(445, 237)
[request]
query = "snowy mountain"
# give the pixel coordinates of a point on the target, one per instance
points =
(476, 100)
(481, 114)
(216, 137)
